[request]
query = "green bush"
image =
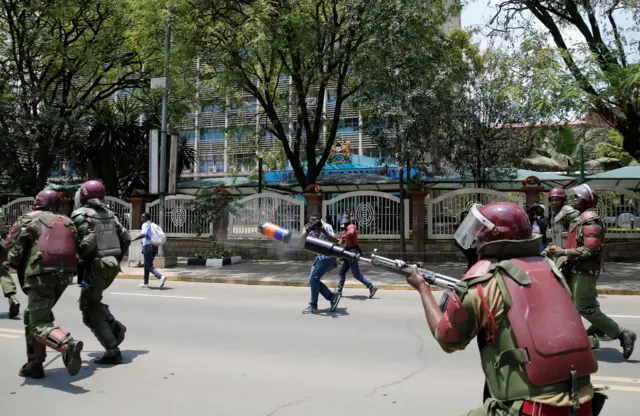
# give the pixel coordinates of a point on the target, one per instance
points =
(213, 253)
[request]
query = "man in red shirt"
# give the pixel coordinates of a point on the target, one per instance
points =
(350, 240)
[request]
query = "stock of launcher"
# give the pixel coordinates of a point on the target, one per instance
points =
(327, 248)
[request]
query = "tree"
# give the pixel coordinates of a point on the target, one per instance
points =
(407, 91)
(613, 148)
(287, 56)
(601, 70)
(491, 118)
(58, 60)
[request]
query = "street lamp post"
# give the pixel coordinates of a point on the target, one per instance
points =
(163, 139)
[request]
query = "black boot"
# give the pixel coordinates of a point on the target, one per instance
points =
(112, 356)
(71, 357)
(118, 331)
(593, 331)
(14, 308)
(627, 342)
(32, 369)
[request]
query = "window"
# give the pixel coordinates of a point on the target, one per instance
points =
(243, 162)
(212, 135)
(211, 164)
(348, 125)
(211, 108)
(243, 132)
(189, 135)
(331, 96)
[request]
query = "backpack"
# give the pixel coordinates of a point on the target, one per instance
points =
(158, 238)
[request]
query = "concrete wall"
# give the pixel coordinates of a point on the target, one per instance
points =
(435, 250)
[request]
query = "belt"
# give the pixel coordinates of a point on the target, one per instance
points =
(538, 409)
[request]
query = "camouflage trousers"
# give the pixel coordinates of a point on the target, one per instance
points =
(7, 283)
(585, 297)
(38, 318)
(97, 277)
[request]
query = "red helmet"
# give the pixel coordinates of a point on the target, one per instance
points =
(493, 222)
(46, 199)
(585, 197)
(92, 189)
(558, 193)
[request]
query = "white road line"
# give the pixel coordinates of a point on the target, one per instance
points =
(625, 316)
(9, 336)
(14, 331)
(616, 379)
(155, 296)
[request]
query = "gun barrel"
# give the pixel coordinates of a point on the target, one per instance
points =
(327, 248)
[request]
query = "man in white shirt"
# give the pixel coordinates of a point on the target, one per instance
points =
(149, 252)
(319, 229)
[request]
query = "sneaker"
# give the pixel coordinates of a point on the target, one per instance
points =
(162, 280)
(14, 308)
(309, 310)
(145, 285)
(372, 291)
(335, 302)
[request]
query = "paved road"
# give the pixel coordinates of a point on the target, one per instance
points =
(244, 350)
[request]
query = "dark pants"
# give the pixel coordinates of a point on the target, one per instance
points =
(319, 268)
(149, 252)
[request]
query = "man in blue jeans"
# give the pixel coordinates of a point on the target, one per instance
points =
(322, 264)
(149, 252)
(350, 240)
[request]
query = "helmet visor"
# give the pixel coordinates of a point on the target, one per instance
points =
(582, 191)
(471, 226)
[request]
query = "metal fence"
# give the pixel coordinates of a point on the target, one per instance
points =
(181, 219)
(121, 208)
(444, 212)
(14, 209)
(619, 210)
(377, 214)
(248, 213)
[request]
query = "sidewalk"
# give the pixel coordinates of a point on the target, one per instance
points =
(617, 279)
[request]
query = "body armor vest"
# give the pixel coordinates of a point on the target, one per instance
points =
(103, 220)
(541, 338)
(54, 249)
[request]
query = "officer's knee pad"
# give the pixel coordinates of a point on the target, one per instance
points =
(587, 311)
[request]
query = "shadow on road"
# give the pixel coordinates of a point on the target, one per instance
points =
(59, 378)
(612, 355)
(356, 297)
(5, 315)
(338, 312)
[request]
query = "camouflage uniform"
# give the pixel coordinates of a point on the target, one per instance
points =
(41, 247)
(102, 241)
(535, 355)
(6, 281)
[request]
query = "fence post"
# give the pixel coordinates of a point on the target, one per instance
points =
(137, 207)
(314, 203)
(417, 222)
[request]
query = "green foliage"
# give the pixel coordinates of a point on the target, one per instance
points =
(213, 252)
(613, 147)
(210, 205)
(60, 59)
(592, 63)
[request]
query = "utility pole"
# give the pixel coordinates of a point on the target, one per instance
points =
(581, 161)
(163, 140)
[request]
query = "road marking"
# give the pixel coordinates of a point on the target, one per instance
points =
(625, 316)
(155, 296)
(618, 388)
(9, 336)
(618, 379)
(15, 331)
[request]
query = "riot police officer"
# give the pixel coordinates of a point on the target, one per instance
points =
(42, 248)
(102, 242)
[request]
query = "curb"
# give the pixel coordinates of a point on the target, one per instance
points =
(253, 282)
(227, 261)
